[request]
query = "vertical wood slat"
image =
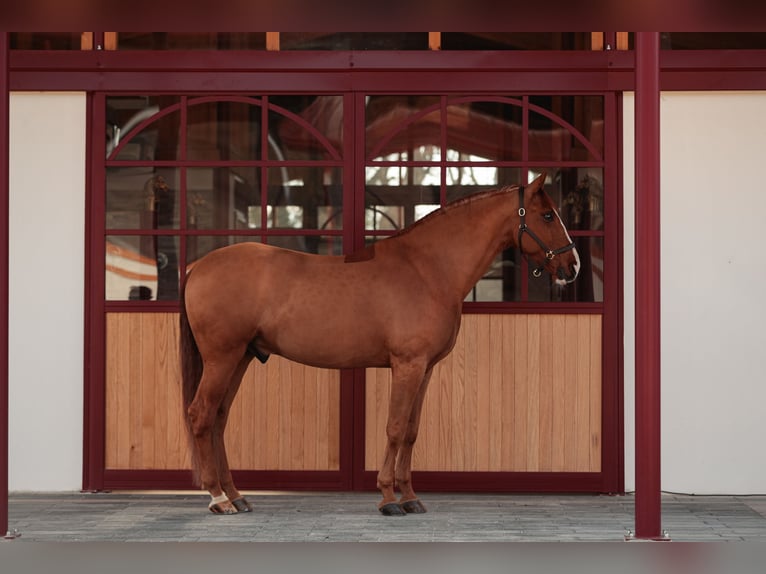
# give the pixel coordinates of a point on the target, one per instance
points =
(285, 417)
(518, 393)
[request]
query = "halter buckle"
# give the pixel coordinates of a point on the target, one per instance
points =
(549, 255)
(522, 212)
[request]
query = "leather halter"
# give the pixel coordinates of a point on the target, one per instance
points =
(523, 228)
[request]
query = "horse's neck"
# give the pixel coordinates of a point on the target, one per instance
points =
(460, 245)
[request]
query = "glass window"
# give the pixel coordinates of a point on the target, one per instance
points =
(142, 198)
(408, 126)
(353, 41)
(186, 175)
(141, 268)
(712, 40)
(424, 151)
(566, 128)
(136, 131)
(48, 41)
(578, 193)
(515, 41)
(221, 197)
(196, 41)
(223, 130)
(486, 130)
(305, 127)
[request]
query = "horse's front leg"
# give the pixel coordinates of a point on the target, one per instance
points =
(405, 384)
(409, 501)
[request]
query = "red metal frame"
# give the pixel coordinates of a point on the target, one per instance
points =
(347, 72)
(353, 474)
(233, 71)
(4, 194)
(647, 277)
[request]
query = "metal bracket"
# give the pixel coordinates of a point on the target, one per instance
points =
(630, 536)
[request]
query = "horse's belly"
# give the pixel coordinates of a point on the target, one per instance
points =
(332, 350)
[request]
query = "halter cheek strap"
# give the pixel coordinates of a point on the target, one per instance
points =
(523, 228)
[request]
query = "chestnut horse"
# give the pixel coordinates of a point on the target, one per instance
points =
(395, 304)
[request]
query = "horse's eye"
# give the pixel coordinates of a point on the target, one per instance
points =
(548, 216)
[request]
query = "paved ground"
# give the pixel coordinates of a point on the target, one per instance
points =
(352, 517)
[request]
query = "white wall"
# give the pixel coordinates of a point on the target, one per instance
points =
(713, 298)
(47, 212)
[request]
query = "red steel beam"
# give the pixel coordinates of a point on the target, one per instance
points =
(648, 501)
(4, 185)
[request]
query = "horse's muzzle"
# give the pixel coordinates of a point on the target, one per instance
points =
(565, 276)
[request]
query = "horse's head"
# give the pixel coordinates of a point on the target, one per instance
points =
(542, 238)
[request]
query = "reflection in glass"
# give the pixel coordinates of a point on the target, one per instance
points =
(303, 197)
(353, 41)
(578, 194)
(223, 130)
(472, 176)
(142, 198)
(407, 126)
(156, 141)
(501, 282)
(551, 140)
(710, 40)
(485, 130)
(384, 217)
(222, 197)
(46, 40)
(141, 268)
(515, 41)
(389, 207)
(292, 140)
(279, 216)
(480, 178)
(188, 41)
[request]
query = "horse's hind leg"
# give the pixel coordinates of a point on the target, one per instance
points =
(409, 500)
(219, 445)
(203, 414)
(406, 380)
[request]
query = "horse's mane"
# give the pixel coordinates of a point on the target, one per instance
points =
(455, 204)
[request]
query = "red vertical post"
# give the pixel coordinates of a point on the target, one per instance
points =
(4, 186)
(648, 502)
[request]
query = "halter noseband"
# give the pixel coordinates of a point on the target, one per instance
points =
(523, 228)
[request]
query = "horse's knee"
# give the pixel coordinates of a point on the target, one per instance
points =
(200, 424)
(396, 433)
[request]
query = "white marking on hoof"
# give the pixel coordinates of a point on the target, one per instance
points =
(217, 500)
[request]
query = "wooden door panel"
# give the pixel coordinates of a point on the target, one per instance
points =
(519, 393)
(286, 416)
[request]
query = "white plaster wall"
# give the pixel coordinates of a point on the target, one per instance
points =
(713, 300)
(47, 212)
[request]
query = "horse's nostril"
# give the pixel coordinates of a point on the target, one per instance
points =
(560, 273)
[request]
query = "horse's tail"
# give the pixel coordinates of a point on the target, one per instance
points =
(191, 373)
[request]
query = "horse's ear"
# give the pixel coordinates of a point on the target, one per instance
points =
(537, 184)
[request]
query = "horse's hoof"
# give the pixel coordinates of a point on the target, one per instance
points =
(413, 507)
(242, 505)
(222, 509)
(392, 509)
